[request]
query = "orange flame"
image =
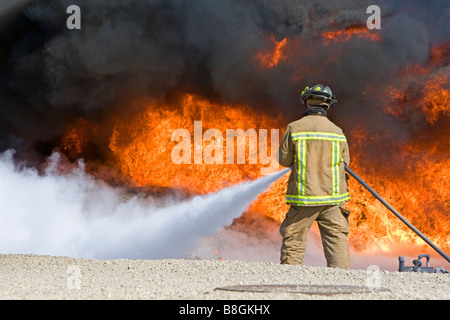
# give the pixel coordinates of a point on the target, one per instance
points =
(347, 33)
(417, 192)
(144, 145)
(439, 57)
(437, 98)
(271, 59)
(440, 54)
(432, 99)
(76, 138)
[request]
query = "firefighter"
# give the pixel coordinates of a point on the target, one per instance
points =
(316, 150)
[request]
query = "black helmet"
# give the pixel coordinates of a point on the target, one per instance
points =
(319, 91)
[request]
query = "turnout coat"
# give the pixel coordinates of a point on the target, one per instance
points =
(316, 150)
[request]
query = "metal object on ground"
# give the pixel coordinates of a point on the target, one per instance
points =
(418, 265)
(387, 205)
(303, 288)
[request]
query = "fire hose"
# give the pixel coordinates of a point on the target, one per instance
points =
(387, 205)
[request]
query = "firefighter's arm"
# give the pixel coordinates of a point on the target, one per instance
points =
(285, 154)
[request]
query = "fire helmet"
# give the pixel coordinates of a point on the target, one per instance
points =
(320, 92)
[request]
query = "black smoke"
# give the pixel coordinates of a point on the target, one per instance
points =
(134, 49)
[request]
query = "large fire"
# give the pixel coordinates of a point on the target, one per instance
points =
(143, 148)
(421, 97)
(417, 192)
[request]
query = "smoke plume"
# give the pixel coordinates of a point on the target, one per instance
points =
(130, 50)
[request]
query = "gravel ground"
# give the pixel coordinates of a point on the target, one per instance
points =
(48, 277)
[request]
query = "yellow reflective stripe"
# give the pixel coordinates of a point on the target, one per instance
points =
(335, 174)
(300, 167)
(325, 197)
(303, 200)
(304, 167)
(301, 151)
(318, 136)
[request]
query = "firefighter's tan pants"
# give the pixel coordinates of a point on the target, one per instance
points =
(333, 226)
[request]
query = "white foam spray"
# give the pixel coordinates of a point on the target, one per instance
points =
(75, 215)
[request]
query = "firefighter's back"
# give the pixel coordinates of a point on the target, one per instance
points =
(318, 175)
